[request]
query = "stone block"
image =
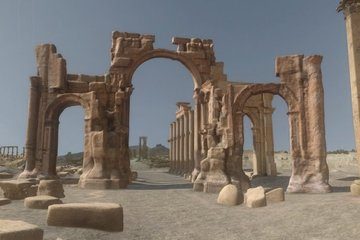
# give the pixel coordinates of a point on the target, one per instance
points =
(230, 196)
(4, 201)
(275, 195)
(17, 189)
(41, 202)
(355, 189)
(255, 197)
(103, 216)
(51, 188)
(19, 230)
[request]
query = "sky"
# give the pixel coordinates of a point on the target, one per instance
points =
(247, 34)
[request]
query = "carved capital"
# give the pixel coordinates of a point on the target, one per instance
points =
(349, 6)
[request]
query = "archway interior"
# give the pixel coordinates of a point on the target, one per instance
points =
(248, 149)
(281, 130)
(158, 85)
(71, 135)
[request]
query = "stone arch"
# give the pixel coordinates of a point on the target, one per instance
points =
(61, 102)
(276, 89)
(168, 54)
(51, 130)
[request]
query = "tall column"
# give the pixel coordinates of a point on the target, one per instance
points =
(197, 138)
(351, 10)
(31, 134)
(170, 147)
(178, 169)
(174, 147)
(181, 134)
(269, 142)
(186, 142)
(191, 141)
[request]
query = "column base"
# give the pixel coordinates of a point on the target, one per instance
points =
(296, 185)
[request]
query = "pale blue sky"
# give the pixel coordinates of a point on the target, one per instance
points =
(247, 35)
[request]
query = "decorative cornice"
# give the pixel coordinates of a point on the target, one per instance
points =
(346, 4)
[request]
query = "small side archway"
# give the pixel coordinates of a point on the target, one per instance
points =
(51, 130)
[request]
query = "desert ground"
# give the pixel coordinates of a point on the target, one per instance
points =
(159, 205)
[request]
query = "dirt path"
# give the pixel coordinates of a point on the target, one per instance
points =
(163, 206)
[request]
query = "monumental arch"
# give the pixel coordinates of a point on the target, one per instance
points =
(206, 142)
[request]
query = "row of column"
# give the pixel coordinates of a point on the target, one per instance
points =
(10, 151)
(181, 141)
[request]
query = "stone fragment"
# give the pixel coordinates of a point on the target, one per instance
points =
(103, 216)
(255, 197)
(41, 201)
(355, 189)
(5, 175)
(17, 189)
(275, 195)
(51, 187)
(19, 230)
(4, 201)
(230, 195)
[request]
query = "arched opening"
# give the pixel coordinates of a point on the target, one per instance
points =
(281, 136)
(51, 131)
(71, 141)
(249, 155)
(158, 85)
(270, 133)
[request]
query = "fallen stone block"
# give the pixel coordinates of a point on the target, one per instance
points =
(41, 202)
(17, 189)
(4, 201)
(103, 216)
(51, 188)
(19, 230)
(230, 196)
(355, 188)
(255, 197)
(275, 195)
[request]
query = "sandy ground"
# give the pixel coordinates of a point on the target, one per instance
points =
(163, 206)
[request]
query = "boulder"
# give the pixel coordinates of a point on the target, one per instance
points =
(230, 196)
(41, 202)
(355, 188)
(103, 216)
(255, 197)
(51, 187)
(4, 201)
(17, 189)
(19, 230)
(275, 195)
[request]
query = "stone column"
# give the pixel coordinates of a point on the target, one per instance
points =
(31, 134)
(181, 135)
(191, 141)
(257, 161)
(174, 147)
(269, 142)
(186, 142)
(50, 148)
(178, 143)
(170, 147)
(351, 10)
(197, 138)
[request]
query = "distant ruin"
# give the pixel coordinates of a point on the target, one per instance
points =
(206, 142)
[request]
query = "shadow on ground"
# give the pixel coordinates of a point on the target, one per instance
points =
(158, 186)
